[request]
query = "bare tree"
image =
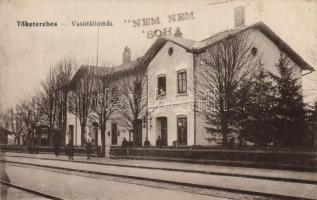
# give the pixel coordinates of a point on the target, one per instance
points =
(49, 101)
(4, 123)
(226, 69)
(4, 120)
(29, 115)
(65, 70)
(53, 95)
(104, 101)
(133, 99)
(14, 125)
(80, 98)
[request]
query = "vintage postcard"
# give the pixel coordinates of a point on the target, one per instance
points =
(171, 99)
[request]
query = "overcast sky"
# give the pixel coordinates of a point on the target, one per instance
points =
(27, 53)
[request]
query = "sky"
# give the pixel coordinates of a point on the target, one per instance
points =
(26, 53)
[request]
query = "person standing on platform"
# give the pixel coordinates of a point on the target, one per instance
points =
(125, 142)
(56, 144)
(70, 150)
(88, 148)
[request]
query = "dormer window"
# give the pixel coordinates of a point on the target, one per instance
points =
(161, 85)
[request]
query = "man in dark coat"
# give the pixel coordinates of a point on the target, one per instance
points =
(88, 149)
(56, 144)
(159, 141)
(70, 150)
(124, 142)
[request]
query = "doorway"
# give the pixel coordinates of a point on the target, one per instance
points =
(182, 130)
(162, 130)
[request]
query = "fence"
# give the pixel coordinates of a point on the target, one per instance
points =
(249, 158)
(78, 150)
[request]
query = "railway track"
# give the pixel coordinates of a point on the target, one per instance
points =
(257, 195)
(32, 191)
(184, 170)
(115, 178)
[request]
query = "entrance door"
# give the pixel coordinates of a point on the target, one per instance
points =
(114, 133)
(161, 131)
(164, 131)
(182, 130)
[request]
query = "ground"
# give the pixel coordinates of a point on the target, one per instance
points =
(132, 179)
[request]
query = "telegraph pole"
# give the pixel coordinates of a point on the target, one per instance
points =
(97, 46)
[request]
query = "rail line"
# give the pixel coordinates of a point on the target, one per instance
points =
(234, 191)
(38, 193)
(184, 170)
(124, 180)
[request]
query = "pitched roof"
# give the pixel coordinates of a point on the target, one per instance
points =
(200, 46)
(123, 67)
(194, 47)
(98, 71)
(185, 43)
(216, 38)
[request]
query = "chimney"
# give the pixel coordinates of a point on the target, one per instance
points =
(178, 33)
(126, 55)
(239, 16)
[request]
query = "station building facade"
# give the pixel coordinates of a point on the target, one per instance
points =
(171, 114)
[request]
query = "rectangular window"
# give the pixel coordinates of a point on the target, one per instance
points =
(181, 82)
(161, 86)
(182, 130)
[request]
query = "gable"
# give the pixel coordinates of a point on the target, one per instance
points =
(200, 46)
(162, 60)
(269, 52)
